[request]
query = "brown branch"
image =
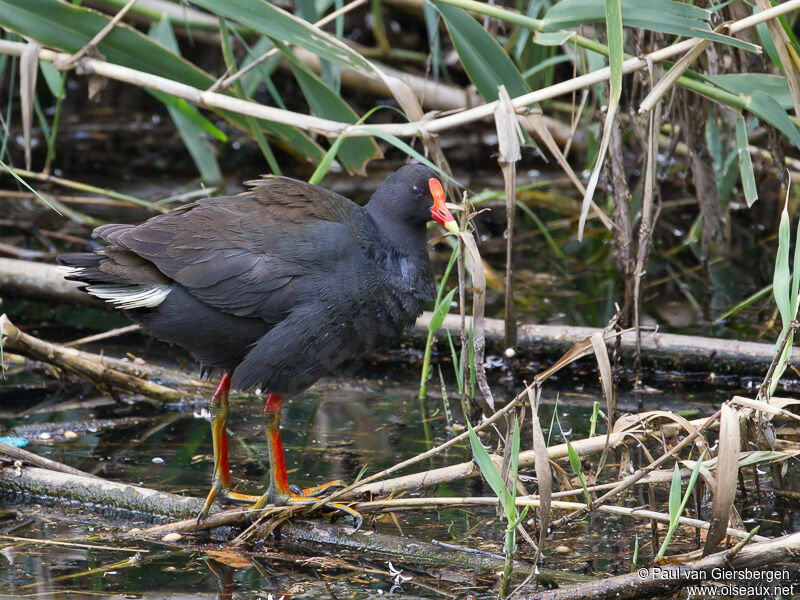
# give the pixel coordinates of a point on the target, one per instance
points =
(634, 585)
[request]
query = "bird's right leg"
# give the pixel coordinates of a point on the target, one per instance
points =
(221, 479)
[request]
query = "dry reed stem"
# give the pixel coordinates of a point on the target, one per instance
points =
(225, 82)
(583, 447)
(43, 542)
(415, 127)
(640, 473)
(395, 505)
(91, 45)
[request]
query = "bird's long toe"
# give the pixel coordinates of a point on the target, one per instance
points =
(318, 490)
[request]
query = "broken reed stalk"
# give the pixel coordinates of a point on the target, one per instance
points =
(466, 365)
(648, 219)
(414, 128)
(71, 360)
(509, 140)
(486, 402)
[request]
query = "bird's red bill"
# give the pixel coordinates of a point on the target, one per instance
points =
(439, 211)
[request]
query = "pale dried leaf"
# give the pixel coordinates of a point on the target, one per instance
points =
(403, 93)
(534, 123)
(577, 351)
(28, 70)
(604, 366)
(781, 41)
(478, 304)
(770, 408)
(671, 76)
(509, 134)
(727, 474)
(544, 478)
(595, 176)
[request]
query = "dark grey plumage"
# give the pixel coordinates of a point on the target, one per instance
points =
(278, 285)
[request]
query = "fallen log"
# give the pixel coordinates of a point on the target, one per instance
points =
(130, 376)
(94, 494)
(534, 342)
(30, 279)
(659, 350)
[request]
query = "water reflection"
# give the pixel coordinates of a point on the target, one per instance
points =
(330, 432)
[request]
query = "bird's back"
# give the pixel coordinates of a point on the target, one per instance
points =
(279, 284)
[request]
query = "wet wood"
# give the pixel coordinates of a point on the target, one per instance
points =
(99, 494)
(29, 279)
(312, 536)
(540, 342)
(32, 482)
(98, 371)
(58, 432)
(626, 587)
(659, 350)
(133, 376)
(13, 453)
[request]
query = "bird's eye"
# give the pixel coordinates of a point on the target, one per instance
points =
(416, 189)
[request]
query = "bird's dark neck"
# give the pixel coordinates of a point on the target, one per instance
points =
(404, 238)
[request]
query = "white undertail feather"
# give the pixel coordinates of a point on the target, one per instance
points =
(69, 271)
(130, 296)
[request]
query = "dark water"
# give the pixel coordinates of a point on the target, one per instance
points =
(330, 432)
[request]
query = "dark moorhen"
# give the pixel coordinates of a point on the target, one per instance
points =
(278, 285)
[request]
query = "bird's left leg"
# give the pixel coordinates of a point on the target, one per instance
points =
(221, 479)
(280, 493)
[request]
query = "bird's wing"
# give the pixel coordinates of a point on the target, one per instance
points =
(256, 254)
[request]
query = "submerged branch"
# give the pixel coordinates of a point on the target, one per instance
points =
(101, 494)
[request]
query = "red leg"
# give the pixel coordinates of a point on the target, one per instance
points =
(221, 479)
(278, 480)
(279, 492)
(219, 411)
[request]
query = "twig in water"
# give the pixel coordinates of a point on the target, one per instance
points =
(69, 544)
(40, 461)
